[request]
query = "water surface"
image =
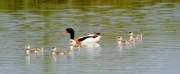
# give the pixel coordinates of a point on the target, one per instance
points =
(40, 23)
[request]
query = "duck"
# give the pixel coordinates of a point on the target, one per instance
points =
(135, 37)
(55, 52)
(124, 42)
(33, 50)
(92, 38)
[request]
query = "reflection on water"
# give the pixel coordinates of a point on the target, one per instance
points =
(27, 59)
(40, 23)
(68, 57)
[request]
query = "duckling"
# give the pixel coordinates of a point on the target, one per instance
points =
(135, 37)
(131, 39)
(124, 42)
(55, 52)
(33, 50)
(74, 46)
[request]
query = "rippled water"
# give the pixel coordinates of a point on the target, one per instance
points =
(158, 53)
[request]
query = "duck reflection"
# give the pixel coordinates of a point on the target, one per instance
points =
(120, 49)
(93, 50)
(93, 45)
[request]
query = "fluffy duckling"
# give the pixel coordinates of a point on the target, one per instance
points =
(124, 42)
(74, 46)
(135, 37)
(131, 39)
(33, 50)
(55, 52)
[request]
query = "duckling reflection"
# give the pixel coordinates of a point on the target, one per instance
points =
(68, 54)
(27, 57)
(54, 58)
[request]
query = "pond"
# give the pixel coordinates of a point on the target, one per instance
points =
(40, 23)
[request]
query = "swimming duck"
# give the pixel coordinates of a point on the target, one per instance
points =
(33, 50)
(55, 52)
(135, 37)
(124, 42)
(92, 38)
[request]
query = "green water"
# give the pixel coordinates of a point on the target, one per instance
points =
(40, 23)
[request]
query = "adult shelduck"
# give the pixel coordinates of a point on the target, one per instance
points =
(93, 38)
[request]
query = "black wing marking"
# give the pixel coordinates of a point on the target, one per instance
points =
(83, 38)
(99, 34)
(88, 36)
